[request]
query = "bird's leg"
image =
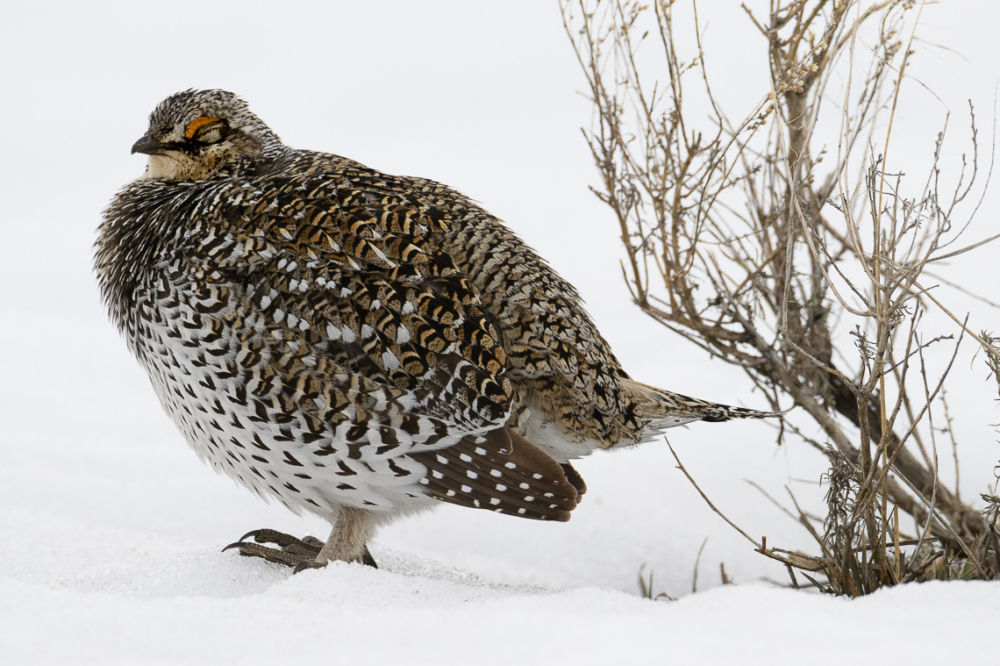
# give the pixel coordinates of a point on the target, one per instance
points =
(347, 543)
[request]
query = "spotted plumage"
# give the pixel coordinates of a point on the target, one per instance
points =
(355, 344)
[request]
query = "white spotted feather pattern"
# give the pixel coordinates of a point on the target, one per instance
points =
(331, 336)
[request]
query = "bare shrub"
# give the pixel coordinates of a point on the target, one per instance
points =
(745, 240)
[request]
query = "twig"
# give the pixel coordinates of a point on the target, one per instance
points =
(681, 467)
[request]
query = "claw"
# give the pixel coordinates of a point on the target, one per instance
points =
(290, 552)
(242, 539)
(253, 533)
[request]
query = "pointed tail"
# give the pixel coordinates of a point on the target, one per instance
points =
(664, 409)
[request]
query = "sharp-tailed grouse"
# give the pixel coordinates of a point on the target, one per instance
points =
(356, 344)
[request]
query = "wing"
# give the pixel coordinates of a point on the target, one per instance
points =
(503, 472)
(368, 342)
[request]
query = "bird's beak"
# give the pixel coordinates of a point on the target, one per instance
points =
(149, 146)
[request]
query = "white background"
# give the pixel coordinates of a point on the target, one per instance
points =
(109, 526)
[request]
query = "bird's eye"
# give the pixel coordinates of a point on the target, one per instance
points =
(207, 129)
(212, 135)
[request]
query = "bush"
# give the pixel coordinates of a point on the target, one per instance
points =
(745, 240)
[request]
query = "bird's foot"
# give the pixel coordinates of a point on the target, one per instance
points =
(300, 554)
(291, 552)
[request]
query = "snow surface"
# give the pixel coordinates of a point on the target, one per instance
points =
(111, 530)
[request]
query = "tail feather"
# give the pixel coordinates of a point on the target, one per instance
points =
(664, 409)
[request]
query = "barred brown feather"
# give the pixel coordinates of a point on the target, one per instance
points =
(356, 344)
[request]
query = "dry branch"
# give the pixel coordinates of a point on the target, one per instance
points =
(745, 240)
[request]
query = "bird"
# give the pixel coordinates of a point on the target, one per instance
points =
(354, 344)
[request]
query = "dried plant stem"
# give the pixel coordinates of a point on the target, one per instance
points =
(739, 239)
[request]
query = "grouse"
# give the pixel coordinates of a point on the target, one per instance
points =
(355, 344)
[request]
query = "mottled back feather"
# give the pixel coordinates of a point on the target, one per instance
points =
(329, 335)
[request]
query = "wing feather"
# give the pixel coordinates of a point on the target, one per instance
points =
(369, 347)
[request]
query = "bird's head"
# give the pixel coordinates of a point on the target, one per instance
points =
(197, 134)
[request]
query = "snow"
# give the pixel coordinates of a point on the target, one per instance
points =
(414, 611)
(112, 530)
